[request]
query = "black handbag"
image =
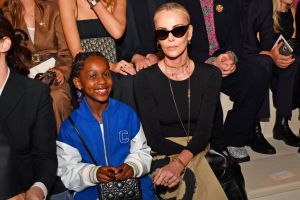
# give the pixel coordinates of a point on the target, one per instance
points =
(229, 174)
(129, 189)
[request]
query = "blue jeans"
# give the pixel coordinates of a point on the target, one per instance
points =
(67, 195)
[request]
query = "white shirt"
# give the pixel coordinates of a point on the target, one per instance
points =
(1, 89)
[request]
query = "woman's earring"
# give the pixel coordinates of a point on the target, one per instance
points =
(158, 47)
(189, 41)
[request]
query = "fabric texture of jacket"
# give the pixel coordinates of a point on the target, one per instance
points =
(122, 141)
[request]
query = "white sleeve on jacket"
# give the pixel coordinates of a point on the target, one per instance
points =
(74, 174)
(139, 158)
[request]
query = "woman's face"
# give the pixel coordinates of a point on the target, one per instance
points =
(173, 46)
(95, 80)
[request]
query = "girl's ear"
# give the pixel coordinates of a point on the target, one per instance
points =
(77, 83)
(5, 44)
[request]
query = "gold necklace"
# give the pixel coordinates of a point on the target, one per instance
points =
(184, 67)
(187, 132)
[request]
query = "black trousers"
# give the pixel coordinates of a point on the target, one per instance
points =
(282, 83)
(246, 87)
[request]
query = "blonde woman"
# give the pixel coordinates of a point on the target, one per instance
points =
(176, 101)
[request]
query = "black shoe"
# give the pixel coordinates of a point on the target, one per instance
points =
(283, 132)
(258, 142)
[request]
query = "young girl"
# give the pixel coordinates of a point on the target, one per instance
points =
(111, 129)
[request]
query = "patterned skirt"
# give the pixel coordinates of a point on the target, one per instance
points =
(198, 181)
(104, 45)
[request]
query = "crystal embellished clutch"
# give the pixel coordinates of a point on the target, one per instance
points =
(116, 190)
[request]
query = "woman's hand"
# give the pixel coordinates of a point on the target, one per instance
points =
(169, 175)
(123, 67)
(60, 79)
(34, 193)
(142, 62)
(18, 197)
(106, 174)
(124, 172)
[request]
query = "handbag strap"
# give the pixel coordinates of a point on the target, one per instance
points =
(82, 140)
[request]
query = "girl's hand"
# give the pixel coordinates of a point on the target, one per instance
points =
(124, 172)
(18, 197)
(34, 193)
(106, 174)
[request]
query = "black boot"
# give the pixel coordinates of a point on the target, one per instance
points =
(283, 132)
(258, 142)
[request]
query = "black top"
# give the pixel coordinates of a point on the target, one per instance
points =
(286, 22)
(158, 113)
(91, 28)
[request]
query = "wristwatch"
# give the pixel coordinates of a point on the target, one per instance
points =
(93, 2)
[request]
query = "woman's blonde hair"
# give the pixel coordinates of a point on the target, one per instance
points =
(276, 9)
(172, 6)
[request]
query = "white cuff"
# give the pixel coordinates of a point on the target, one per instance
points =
(89, 174)
(43, 188)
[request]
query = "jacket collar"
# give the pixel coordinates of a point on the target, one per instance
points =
(85, 111)
(11, 95)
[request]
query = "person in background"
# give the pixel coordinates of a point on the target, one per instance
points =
(95, 26)
(138, 43)
(111, 130)
(176, 100)
(27, 121)
(41, 21)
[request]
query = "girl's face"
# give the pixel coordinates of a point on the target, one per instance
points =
(95, 80)
(175, 44)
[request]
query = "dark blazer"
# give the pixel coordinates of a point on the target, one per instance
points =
(9, 174)
(27, 120)
(297, 18)
(256, 18)
(227, 27)
(139, 35)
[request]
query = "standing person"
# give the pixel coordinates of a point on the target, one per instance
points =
(41, 21)
(176, 100)
(218, 40)
(94, 26)
(27, 120)
(111, 130)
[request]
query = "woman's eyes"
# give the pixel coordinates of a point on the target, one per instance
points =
(92, 76)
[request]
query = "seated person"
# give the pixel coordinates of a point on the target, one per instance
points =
(27, 120)
(176, 100)
(218, 40)
(111, 130)
(41, 21)
(280, 70)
